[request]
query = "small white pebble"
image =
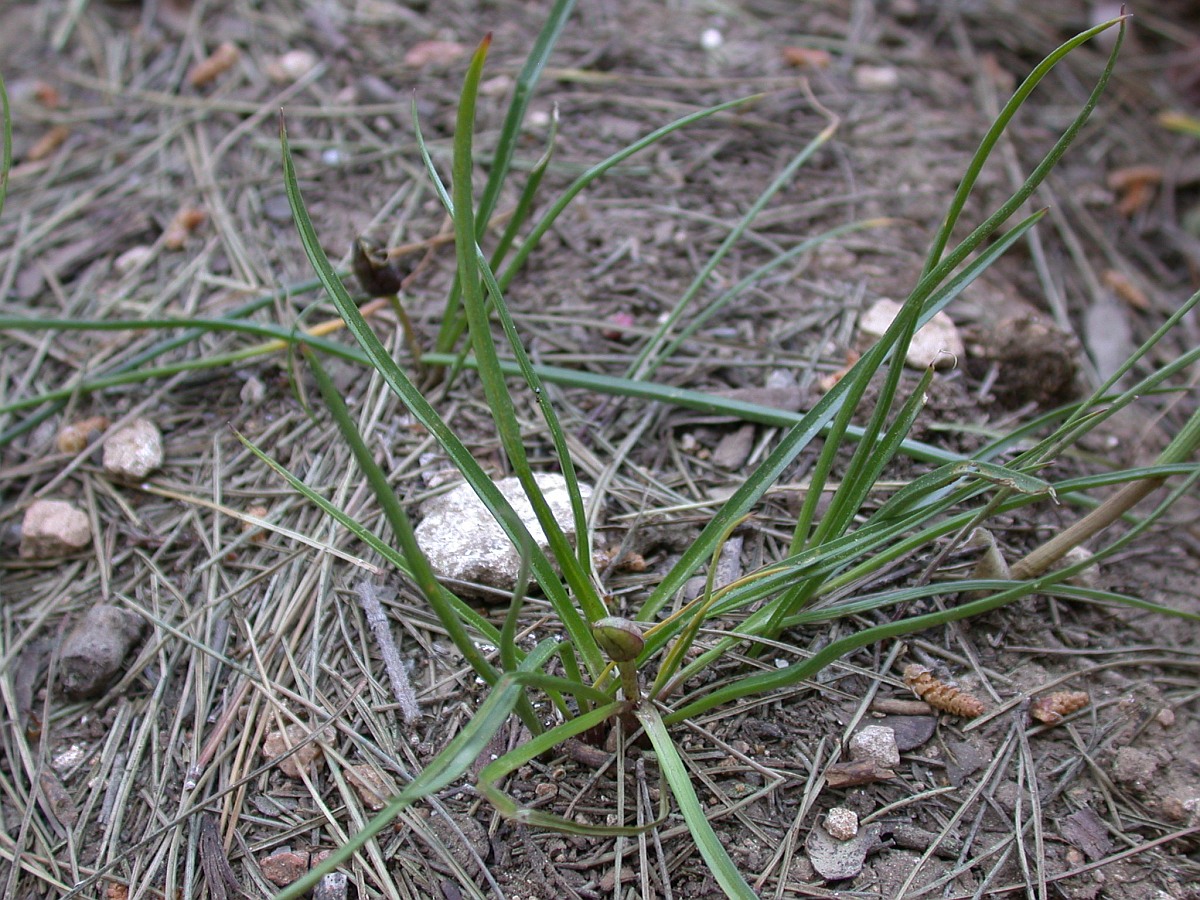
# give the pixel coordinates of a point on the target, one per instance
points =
(711, 39)
(69, 758)
(291, 66)
(253, 391)
(877, 744)
(841, 823)
(876, 78)
(133, 258)
(134, 451)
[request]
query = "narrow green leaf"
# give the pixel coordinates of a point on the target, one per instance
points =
(378, 357)
(423, 574)
(478, 623)
(975, 166)
(680, 780)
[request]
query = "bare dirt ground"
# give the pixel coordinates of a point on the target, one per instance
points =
(253, 628)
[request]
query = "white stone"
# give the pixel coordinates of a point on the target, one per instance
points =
(53, 528)
(876, 78)
(877, 744)
(293, 65)
(841, 823)
(938, 343)
(464, 542)
(133, 258)
(133, 452)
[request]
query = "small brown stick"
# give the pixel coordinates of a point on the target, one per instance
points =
(894, 706)
(1041, 559)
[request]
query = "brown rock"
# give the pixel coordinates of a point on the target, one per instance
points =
(75, 437)
(370, 785)
(876, 744)
(94, 650)
(1035, 361)
(53, 528)
(1134, 767)
(308, 757)
(841, 823)
(284, 867)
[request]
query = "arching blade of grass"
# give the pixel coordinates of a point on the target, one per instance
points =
(855, 557)
(492, 774)
(1009, 592)
(418, 565)
(453, 322)
(455, 760)
(474, 620)
(849, 497)
(931, 484)
(817, 420)
(937, 269)
(134, 368)
(474, 273)
(1181, 449)
(379, 358)
(975, 166)
(604, 384)
(723, 868)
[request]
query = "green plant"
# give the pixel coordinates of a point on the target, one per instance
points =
(830, 553)
(833, 551)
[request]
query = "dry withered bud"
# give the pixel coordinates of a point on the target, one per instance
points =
(376, 274)
(1053, 708)
(75, 437)
(186, 220)
(940, 695)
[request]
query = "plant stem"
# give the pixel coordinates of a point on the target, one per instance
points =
(1179, 450)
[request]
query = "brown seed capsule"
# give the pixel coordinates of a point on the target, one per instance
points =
(377, 274)
(1053, 708)
(940, 695)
